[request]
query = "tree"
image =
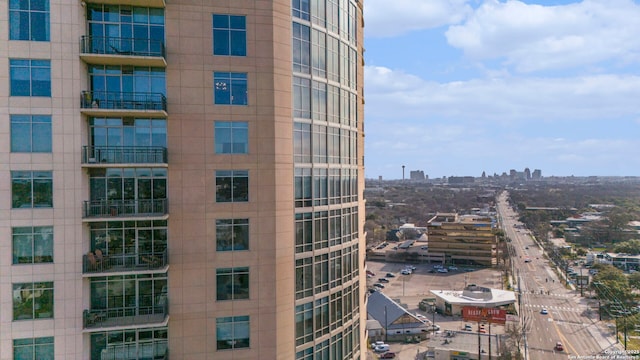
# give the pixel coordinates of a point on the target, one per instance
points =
(611, 285)
(634, 280)
(628, 247)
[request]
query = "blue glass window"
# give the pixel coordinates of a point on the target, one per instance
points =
(33, 348)
(229, 88)
(232, 186)
(231, 137)
(30, 77)
(118, 29)
(232, 332)
(29, 20)
(300, 9)
(31, 133)
(31, 189)
(229, 35)
(32, 245)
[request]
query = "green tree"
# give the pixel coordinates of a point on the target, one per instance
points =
(611, 285)
(628, 247)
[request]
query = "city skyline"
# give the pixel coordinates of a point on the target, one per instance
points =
(473, 86)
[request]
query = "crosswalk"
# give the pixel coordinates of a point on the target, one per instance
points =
(556, 308)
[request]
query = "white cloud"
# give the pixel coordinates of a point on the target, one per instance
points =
(388, 18)
(533, 37)
(502, 99)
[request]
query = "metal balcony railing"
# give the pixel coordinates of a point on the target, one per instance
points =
(125, 208)
(121, 46)
(156, 350)
(117, 100)
(124, 155)
(125, 316)
(92, 264)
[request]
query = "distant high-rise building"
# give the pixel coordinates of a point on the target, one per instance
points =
(182, 177)
(416, 175)
(537, 174)
(527, 173)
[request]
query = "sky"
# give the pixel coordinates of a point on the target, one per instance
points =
(458, 87)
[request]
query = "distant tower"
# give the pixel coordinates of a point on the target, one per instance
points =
(402, 172)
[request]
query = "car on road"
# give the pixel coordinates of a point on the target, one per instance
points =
(390, 275)
(378, 285)
(383, 280)
(443, 270)
(526, 247)
(411, 267)
(388, 355)
(381, 348)
(559, 346)
(544, 311)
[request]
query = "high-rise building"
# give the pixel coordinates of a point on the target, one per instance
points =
(181, 179)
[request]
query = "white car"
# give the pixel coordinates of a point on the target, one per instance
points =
(443, 270)
(405, 272)
(452, 268)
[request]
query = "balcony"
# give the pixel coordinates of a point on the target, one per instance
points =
(116, 103)
(121, 156)
(122, 51)
(91, 264)
(127, 317)
(104, 210)
(143, 3)
(156, 350)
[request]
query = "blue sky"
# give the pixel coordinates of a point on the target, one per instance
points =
(458, 87)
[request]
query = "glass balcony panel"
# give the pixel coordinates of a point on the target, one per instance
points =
(125, 208)
(126, 316)
(97, 263)
(111, 100)
(124, 155)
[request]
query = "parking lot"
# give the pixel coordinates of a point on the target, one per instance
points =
(411, 289)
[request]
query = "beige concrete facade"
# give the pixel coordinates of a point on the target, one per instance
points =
(190, 269)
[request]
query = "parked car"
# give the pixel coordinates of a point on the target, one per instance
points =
(453, 268)
(467, 327)
(443, 270)
(544, 311)
(406, 272)
(378, 285)
(383, 280)
(390, 275)
(411, 267)
(388, 355)
(381, 348)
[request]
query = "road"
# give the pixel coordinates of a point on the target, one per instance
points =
(569, 320)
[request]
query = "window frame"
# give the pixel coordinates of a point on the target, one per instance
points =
(35, 20)
(237, 135)
(237, 278)
(31, 235)
(230, 88)
(25, 292)
(229, 182)
(234, 29)
(233, 342)
(40, 348)
(33, 125)
(31, 179)
(230, 231)
(35, 68)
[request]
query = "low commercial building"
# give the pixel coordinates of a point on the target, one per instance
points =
(451, 302)
(467, 239)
